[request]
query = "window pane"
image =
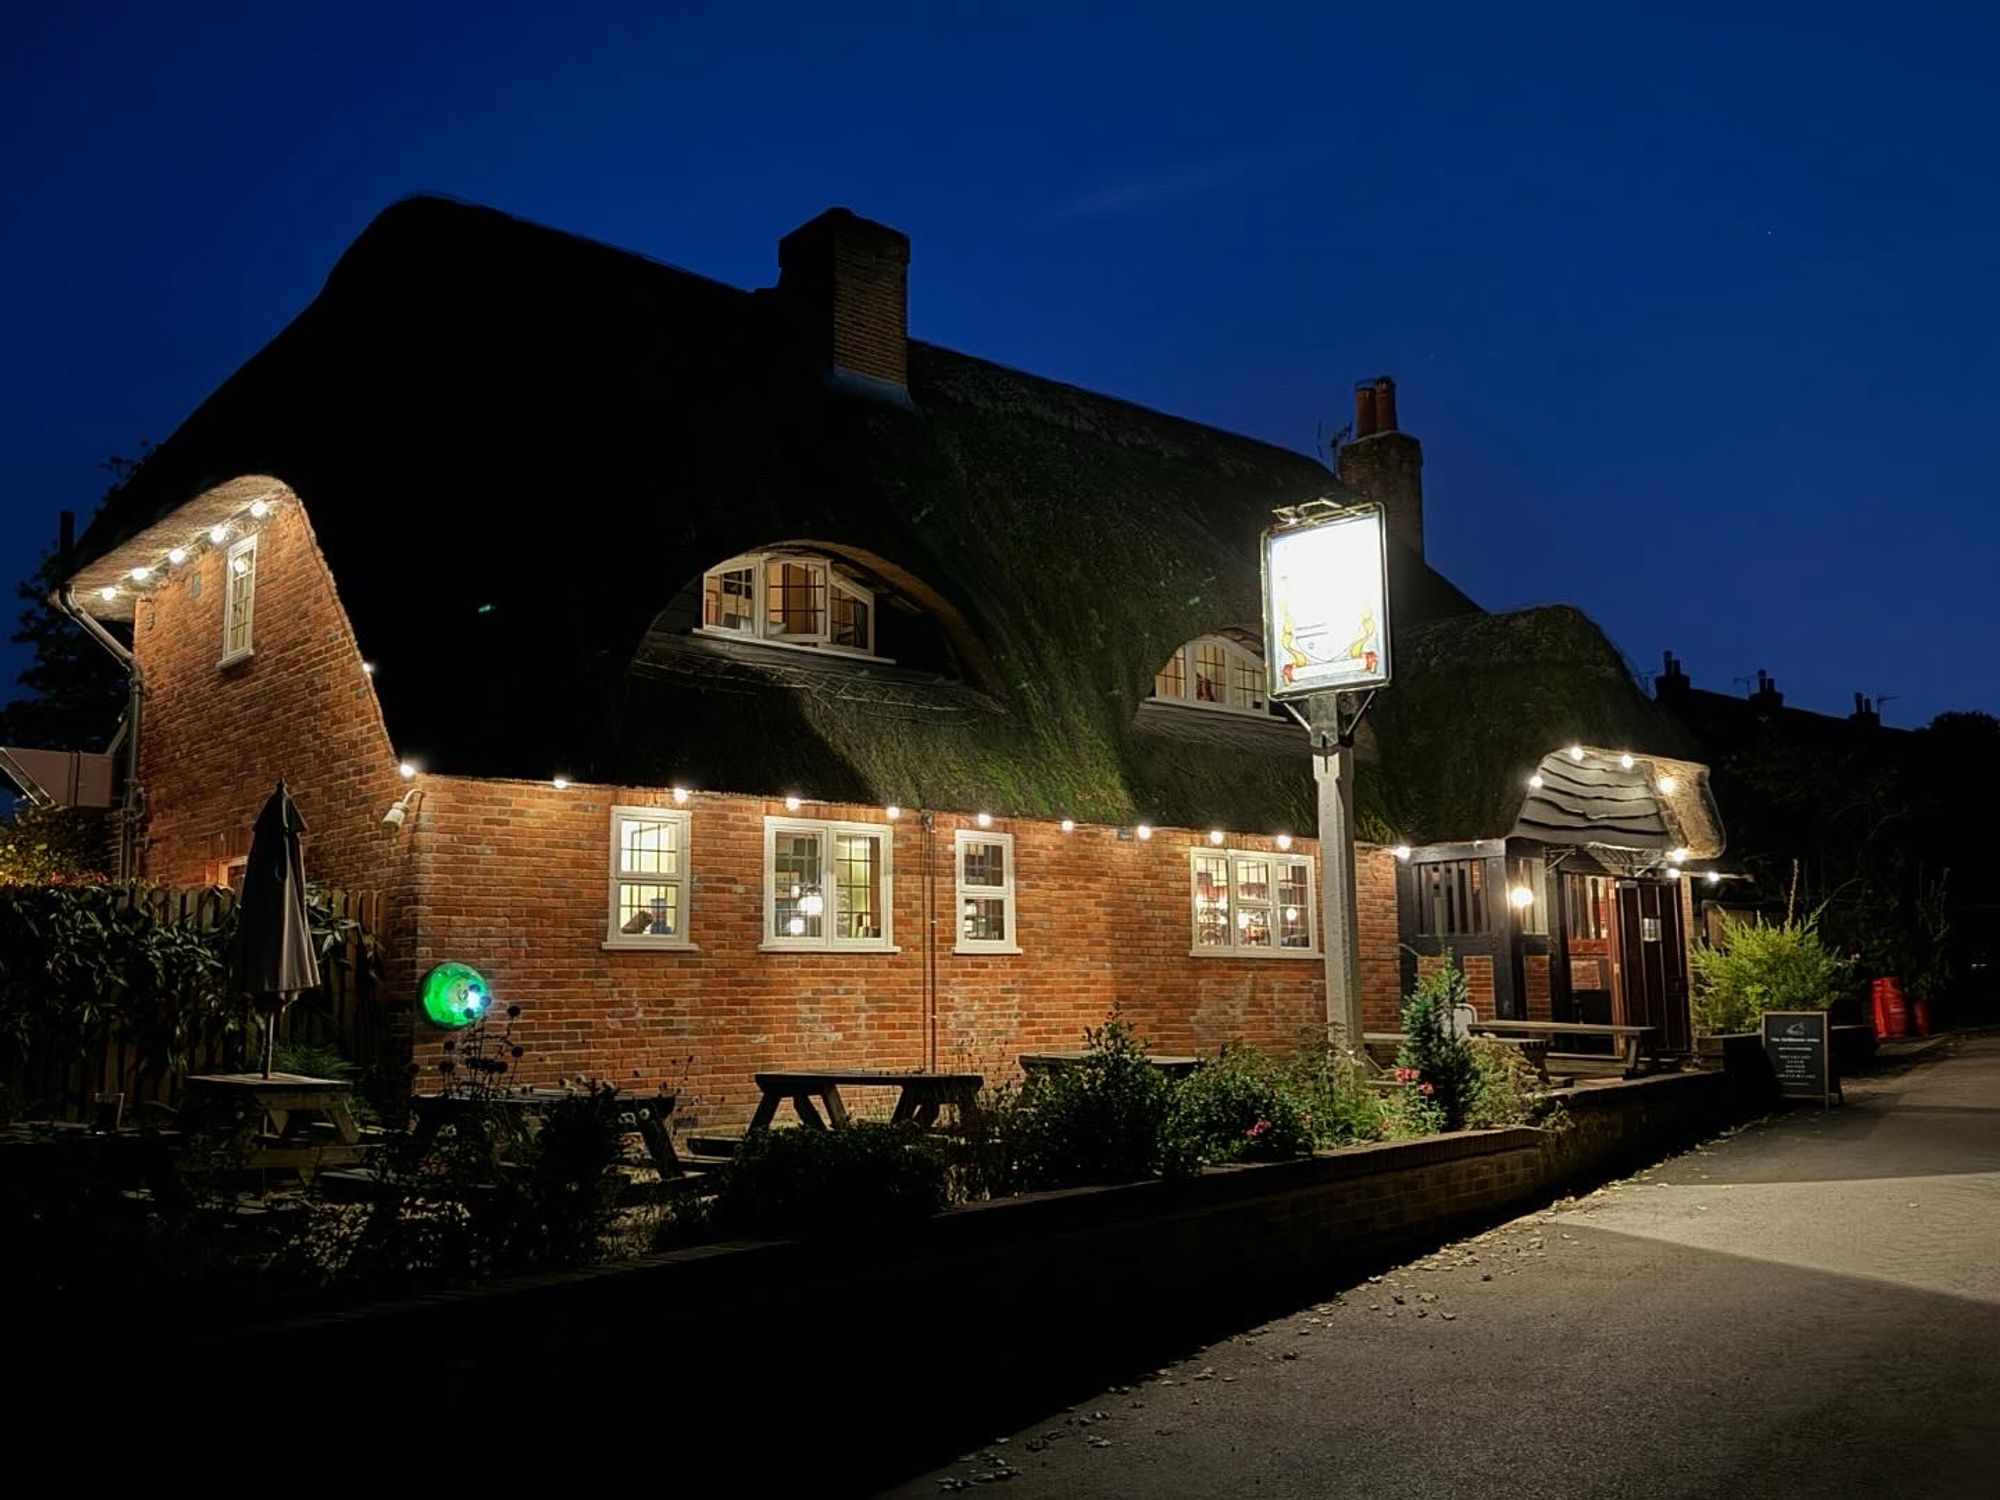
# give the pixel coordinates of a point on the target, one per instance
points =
(241, 588)
(1253, 903)
(728, 599)
(850, 620)
(1211, 901)
(1294, 907)
(1253, 880)
(799, 903)
(985, 865)
(984, 919)
(1246, 681)
(651, 910)
(649, 848)
(1171, 680)
(1210, 672)
(858, 877)
(794, 598)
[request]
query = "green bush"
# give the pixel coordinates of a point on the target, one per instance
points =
(1440, 1061)
(1333, 1092)
(1505, 1089)
(1759, 967)
(809, 1182)
(1240, 1106)
(1105, 1119)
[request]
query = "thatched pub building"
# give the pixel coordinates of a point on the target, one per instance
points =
(756, 685)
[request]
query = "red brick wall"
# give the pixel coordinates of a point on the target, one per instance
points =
(1478, 969)
(513, 876)
(214, 739)
(1535, 981)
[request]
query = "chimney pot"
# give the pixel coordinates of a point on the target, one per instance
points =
(1385, 464)
(1385, 404)
(1364, 410)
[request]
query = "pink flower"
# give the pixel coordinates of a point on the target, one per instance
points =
(1428, 1088)
(1258, 1129)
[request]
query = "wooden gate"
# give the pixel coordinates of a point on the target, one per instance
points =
(1652, 968)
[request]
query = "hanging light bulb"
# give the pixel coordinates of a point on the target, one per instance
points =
(107, 592)
(680, 796)
(1283, 841)
(140, 575)
(1713, 877)
(812, 903)
(792, 804)
(259, 509)
(893, 811)
(1625, 762)
(984, 820)
(1678, 856)
(1667, 785)
(1576, 752)
(218, 534)
(1069, 825)
(561, 783)
(406, 770)
(1144, 830)
(176, 556)
(1215, 835)
(368, 669)
(1535, 782)
(1402, 852)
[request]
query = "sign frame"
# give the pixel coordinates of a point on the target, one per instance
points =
(1817, 1084)
(1278, 686)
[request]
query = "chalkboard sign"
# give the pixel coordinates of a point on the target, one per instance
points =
(1795, 1043)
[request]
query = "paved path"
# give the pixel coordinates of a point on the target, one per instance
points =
(1808, 1307)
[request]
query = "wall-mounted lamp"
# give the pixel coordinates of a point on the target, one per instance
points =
(401, 808)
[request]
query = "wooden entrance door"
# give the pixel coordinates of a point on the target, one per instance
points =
(1652, 962)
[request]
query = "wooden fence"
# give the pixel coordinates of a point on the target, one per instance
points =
(344, 1015)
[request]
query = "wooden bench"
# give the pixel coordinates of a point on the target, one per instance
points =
(921, 1095)
(1384, 1045)
(1625, 1040)
(1049, 1062)
(519, 1113)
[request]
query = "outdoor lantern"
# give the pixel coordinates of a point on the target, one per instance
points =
(1522, 897)
(454, 995)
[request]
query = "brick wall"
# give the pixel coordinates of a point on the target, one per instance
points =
(514, 877)
(1535, 982)
(1478, 969)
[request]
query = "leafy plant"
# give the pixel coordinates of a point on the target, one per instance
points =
(1761, 966)
(1239, 1106)
(810, 1182)
(1505, 1089)
(1103, 1119)
(1438, 1059)
(1333, 1092)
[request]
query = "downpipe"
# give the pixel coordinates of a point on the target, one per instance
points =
(133, 810)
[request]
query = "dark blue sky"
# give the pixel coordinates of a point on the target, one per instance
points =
(1696, 312)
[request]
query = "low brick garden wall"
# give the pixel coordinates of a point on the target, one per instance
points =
(859, 1359)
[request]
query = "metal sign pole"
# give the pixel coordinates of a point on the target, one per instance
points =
(1333, 770)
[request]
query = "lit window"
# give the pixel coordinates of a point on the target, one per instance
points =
(1213, 673)
(1251, 904)
(796, 600)
(986, 892)
(1451, 898)
(1587, 906)
(649, 878)
(239, 598)
(826, 885)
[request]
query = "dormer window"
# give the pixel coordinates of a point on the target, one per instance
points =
(1210, 672)
(792, 599)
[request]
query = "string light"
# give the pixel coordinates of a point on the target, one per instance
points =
(680, 795)
(1678, 856)
(984, 820)
(1535, 782)
(368, 669)
(107, 592)
(218, 534)
(1283, 841)
(1625, 762)
(1215, 835)
(1576, 752)
(140, 575)
(792, 803)
(406, 770)
(1667, 786)
(1402, 852)
(259, 509)
(177, 555)
(561, 783)
(1713, 877)
(893, 811)
(1069, 825)
(1144, 830)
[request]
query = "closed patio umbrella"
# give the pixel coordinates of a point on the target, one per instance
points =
(274, 947)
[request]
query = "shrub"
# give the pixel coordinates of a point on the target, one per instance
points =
(1333, 1092)
(1106, 1119)
(1241, 1106)
(803, 1182)
(1505, 1089)
(1759, 967)
(1440, 1060)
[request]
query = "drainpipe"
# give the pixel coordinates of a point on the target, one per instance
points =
(133, 810)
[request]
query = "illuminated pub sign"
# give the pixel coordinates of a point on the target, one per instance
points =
(1326, 603)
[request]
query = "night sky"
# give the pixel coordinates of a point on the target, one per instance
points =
(1697, 315)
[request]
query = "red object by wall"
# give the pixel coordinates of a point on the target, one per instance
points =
(1891, 1013)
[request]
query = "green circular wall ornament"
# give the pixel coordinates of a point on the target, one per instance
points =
(454, 995)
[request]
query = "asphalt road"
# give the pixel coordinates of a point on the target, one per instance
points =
(1808, 1307)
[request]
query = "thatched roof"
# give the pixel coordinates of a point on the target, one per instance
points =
(518, 448)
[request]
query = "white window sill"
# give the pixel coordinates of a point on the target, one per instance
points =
(974, 950)
(816, 648)
(1254, 953)
(236, 656)
(643, 945)
(770, 945)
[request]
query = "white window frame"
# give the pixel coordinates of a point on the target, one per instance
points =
(243, 547)
(1234, 655)
(1233, 949)
(828, 941)
(1004, 893)
(683, 883)
(829, 578)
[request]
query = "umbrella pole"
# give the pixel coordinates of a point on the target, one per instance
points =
(270, 1039)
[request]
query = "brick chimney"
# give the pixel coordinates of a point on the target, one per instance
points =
(1865, 714)
(1672, 684)
(1766, 695)
(1385, 463)
(844, 282)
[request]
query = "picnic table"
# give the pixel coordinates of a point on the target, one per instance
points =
(291, 1104)
(518, 1111)
(922, 1095)
(1048, 1062)
(1625, 1039)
